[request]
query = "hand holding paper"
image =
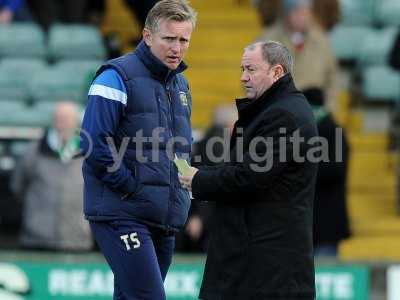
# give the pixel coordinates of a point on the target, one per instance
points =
(182, 165)
(186, 172)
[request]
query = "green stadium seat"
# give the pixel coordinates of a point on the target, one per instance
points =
(357, 12)
(376, 46)
(31, 117)
(85, 66)
(8, 109)
(381, 83)
(58, 83)
(75, 42)
(388, 12)
(15, 76)
(45, 107)
(347, 41)
(88, 68)
(22, 40)
(10, 106)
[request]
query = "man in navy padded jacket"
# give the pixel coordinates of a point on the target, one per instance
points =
(136, 121)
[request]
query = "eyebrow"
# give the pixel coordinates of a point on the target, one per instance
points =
(175, 37)
(247, 66)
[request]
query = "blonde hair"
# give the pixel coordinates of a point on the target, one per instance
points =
(175, 10)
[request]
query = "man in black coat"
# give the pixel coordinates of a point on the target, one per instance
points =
(261, 245)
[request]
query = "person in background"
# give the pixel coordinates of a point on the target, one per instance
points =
(140, 9)
(48, 181)
(268, 11)
(394, 128)
(325, 12)
(315, 63)
(215, 140)
(331, 221)
(49, 12)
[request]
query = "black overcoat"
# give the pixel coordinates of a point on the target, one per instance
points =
(261, 243)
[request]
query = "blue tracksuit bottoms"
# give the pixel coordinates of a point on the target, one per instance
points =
(139, 256)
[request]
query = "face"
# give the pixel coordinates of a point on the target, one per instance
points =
(170, 43)
(299, 19)
(257, 74)
(65, 120)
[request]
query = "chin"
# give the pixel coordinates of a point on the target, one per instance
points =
(172, 66)
(249, 96)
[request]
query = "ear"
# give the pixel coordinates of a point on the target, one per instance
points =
(279, 72)
(147, 37)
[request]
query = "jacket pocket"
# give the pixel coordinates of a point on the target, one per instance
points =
(132, 167)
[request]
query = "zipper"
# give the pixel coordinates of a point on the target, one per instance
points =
(172, 128)
(160, 113)
(171, 110)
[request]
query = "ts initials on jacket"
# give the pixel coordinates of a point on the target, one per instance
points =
(261, 246)
(134, 97)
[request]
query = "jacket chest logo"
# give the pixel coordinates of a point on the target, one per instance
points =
(183, 97)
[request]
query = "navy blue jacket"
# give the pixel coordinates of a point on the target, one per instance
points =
(133, 98)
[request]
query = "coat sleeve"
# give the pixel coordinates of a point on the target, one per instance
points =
(107, 101)
(261, 165)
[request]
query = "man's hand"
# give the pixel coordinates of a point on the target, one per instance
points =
(186, 180)
(194, 227)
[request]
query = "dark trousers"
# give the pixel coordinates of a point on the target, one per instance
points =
(138, 255)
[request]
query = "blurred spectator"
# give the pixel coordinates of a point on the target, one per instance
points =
(48, 180)
(315, 65)
(95, 11)
(331, 223)
(48, 12)
(394, 58)
(268, 11)
(326, 12)
(13, 10)
(140, 9)
(394, 129)
(195, 236)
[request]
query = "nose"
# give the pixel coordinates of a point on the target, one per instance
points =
(176, 47)
(244, 77)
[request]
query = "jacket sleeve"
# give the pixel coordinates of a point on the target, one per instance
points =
(106, 106)
(261, 163)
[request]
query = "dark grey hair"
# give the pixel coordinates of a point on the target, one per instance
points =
(175, 10)
(275, 53)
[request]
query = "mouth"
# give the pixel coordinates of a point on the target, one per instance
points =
(173, 59)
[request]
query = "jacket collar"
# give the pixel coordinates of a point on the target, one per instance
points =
(247, 107)
(156, 67)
